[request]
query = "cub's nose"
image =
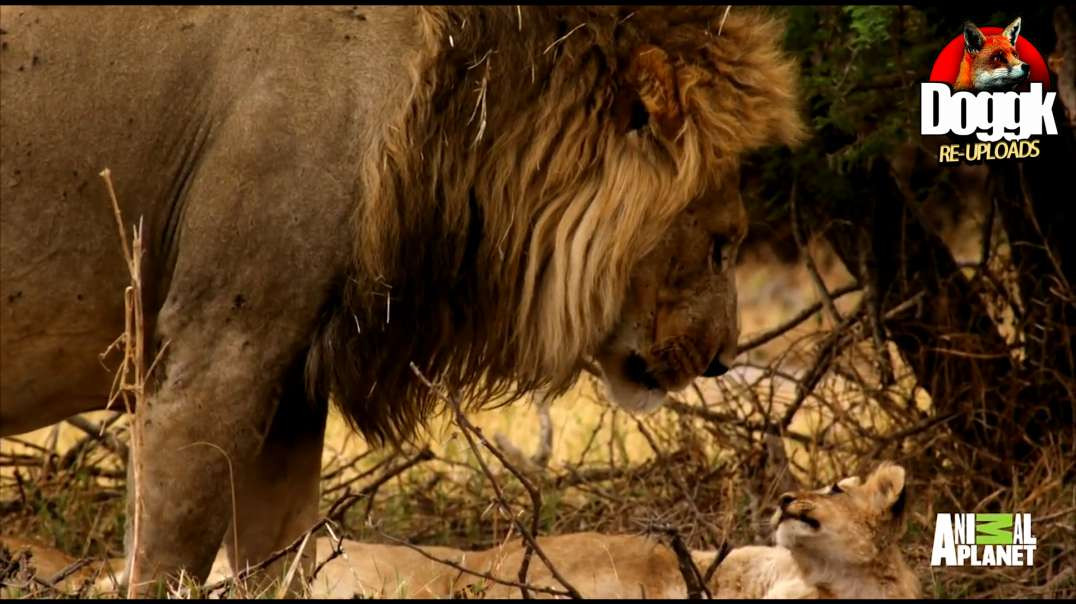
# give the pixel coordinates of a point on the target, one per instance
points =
(1025, 69)
(715, 368)
(786, 500)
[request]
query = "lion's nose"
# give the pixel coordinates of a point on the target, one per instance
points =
(786, 500)
(715, 368)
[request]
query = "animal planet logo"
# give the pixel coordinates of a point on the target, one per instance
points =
(992, 83)
(1004, 539)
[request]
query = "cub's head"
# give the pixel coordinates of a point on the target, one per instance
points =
(849, 522)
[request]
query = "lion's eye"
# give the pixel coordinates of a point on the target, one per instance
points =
(835, 490)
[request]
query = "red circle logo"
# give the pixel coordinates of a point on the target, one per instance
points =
(947, 65)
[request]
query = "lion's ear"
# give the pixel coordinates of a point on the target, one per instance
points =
(649, 94)
(886, 484)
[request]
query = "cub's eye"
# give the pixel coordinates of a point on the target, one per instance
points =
(835, 490)
(718, 249)
(999, 57)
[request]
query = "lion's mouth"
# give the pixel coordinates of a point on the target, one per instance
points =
(636, 370)
(802, 517)
(632, 385)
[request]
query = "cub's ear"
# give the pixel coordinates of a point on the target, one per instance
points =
(973, 38)
(850, 482)
(1012, 32)
(649, 94)
(887, 486)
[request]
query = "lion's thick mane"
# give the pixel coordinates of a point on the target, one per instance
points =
(502, 211)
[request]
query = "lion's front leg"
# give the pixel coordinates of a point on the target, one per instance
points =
(197, 435)
(277, 494)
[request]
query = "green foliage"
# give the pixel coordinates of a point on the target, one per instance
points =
(870, 24)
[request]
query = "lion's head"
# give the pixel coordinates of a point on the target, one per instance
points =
(561, 185)
(848, 523)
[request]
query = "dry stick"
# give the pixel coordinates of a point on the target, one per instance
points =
(532, 545)
(94, 434)
(353, 479)
(593, 435)
(477, 573)
(874, 308)
(346, 465)
(283, 589)
(687, 497)
(828, 351)
(29, 461)
(574, 477)
(795, 321)
(718, 559)
(342, 505)
(337, 551)
(696, 587)
(922, 426)
(820, 285)
(132, 337)
(51, 584)
(721, 418)
(250, 570)
(69, 570)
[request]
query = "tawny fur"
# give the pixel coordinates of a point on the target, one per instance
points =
(854, 552)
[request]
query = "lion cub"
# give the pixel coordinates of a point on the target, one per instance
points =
(845, 538)
(837, 542)
(841, 541)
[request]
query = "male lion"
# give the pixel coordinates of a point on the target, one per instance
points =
(330, 194)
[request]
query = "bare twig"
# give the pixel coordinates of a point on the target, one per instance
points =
(693, 579)
(468, 430)
(795, 321)
(816, 278)
(341, 506)
(245, 573)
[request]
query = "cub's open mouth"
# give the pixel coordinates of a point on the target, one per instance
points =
(802, 517)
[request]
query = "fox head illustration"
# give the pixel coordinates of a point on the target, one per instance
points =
(991, 62)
